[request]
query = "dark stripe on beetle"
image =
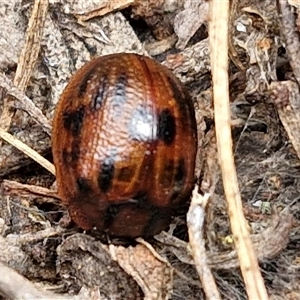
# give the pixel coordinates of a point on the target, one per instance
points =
(106, 175)
(119, 97)
(101, 93)
(73, 121)
(166, 127)
(71, 157)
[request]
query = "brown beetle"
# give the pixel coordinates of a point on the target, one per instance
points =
(124, 145)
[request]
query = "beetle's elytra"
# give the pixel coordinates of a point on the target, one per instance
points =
(124, 145)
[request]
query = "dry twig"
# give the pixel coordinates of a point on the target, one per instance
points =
(28, 57)
(268, 243)
(15, 286)
(103, 9)
(290, 35)
(27, 60)
(195, 220)
(219, 59)
(27, 150)
(24, 103)
(15, 186)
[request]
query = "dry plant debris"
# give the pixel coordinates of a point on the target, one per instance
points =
(43, 42)
(195, 221)
(248, 261)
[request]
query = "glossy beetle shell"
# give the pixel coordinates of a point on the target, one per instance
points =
(124, 145)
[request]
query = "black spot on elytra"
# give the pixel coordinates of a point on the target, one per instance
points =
(180, 171)
(166, 126)
(73, 120)
(126, 174)
(101, 94)
(84, 82)
(106, 175)
(83, 185)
